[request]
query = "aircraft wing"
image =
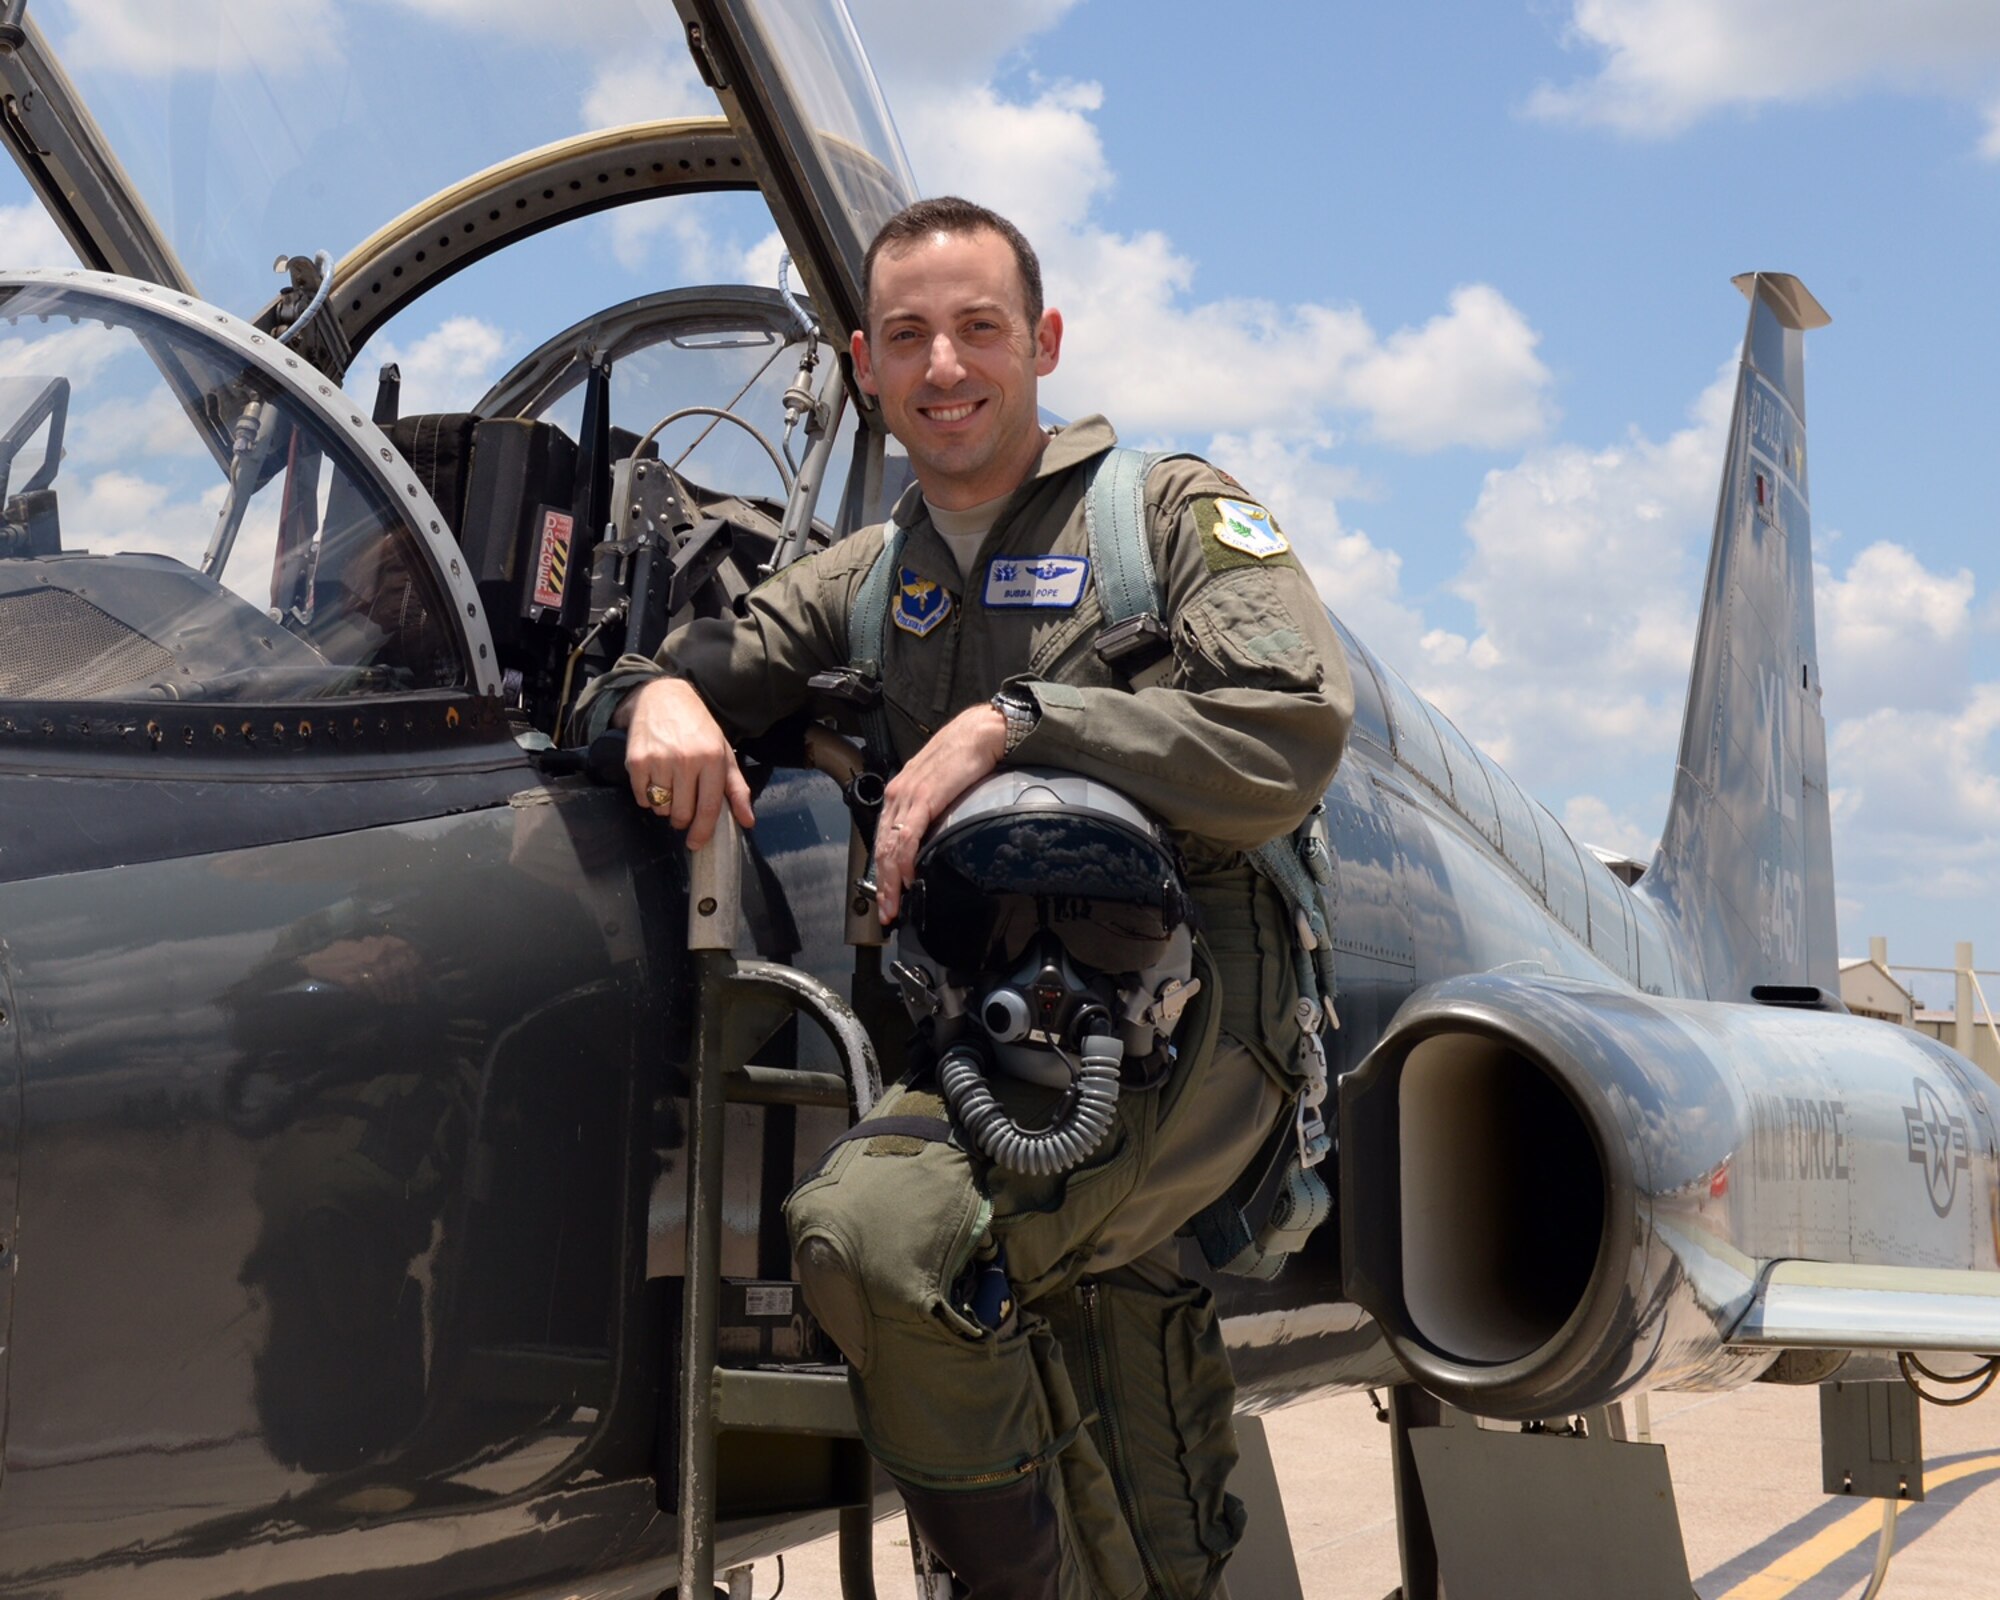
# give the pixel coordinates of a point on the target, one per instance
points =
(1829, 1305)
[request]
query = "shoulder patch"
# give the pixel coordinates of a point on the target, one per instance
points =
(1249, 528)
(921, 603)
(1236, 533)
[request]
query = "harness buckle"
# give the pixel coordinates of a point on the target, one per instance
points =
(852, 687)
(1314, 1145)
(1134, 643)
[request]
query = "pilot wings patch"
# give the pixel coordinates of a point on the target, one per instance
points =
(1055, 582)
(921, 603)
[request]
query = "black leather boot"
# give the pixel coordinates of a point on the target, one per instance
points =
(1001, 1544)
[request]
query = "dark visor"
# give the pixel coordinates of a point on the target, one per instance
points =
(1112, 898)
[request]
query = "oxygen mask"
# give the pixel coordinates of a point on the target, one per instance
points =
(1047, 938)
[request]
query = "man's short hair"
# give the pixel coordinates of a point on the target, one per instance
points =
(948, 214)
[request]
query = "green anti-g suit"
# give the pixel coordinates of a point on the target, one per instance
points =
(1106, 1402)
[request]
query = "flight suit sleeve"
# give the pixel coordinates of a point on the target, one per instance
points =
(1241, 739)
(752, 670)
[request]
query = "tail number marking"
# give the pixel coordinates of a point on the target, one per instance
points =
(1780, 902)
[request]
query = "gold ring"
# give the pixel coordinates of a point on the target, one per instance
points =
(658, 795)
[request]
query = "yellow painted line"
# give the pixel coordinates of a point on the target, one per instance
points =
(1799, 1566)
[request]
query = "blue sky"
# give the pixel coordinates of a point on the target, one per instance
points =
(1447, 284)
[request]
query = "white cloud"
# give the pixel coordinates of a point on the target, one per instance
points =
(448, 368)
(759, 264)
(1592, 822)
(1583, 579)
(80, 353)
(1667, 63)
(1358, 578)
(647, 87)
(1913, 740)
(1468, 376)
(1921, 812)
(1892, 633)
(30, 238)
(119, 510)
(1239, 365)
(143, 36)
(126, 429)
(636, 231)
(1141, 345)
(1039, 163)
(965, 40)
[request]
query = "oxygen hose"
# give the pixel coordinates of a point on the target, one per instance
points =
(1038, 1152)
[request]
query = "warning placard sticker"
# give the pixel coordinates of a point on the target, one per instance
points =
(552, 556)
(767, 1300)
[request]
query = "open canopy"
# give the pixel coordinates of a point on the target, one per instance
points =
(211, 136)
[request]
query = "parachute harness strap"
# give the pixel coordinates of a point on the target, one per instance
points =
(867, 634)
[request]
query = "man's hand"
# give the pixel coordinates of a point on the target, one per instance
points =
(679, 759)
(962, 752)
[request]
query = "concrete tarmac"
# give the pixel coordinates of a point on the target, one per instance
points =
(1746, 1474)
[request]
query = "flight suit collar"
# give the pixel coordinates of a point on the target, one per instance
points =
(925, 551)
(1072, 444)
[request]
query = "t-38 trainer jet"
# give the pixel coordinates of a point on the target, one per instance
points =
(394, 1120)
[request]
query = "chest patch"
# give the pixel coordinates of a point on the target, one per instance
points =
(921, 603)
(1243, 526)
(1055, 582)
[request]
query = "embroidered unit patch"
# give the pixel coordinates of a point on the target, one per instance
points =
(920, 603)
(1249, 528)
(1052, 581)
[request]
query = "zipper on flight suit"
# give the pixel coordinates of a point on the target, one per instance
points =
(1114, 1458)
(940, 703)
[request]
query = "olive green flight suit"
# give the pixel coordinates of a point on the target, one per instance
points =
(1106, 1403)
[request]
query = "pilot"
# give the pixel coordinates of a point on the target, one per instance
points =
(1078, 1445)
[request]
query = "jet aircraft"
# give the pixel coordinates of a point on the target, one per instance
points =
(353, 1042)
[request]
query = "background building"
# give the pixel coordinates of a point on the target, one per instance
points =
(1948, 1003)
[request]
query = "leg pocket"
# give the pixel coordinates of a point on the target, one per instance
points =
(880, 1233)
(1149, 1361)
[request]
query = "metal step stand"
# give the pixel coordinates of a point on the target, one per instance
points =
(716, 1399)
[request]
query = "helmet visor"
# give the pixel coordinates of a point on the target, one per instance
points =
(1112, 898)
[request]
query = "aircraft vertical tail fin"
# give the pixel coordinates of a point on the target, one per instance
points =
(1745, 864)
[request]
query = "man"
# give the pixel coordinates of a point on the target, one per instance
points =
(1081, 1447)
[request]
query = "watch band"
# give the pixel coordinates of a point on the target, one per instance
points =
(1021, 713)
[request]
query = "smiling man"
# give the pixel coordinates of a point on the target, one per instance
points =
(1070, 1438)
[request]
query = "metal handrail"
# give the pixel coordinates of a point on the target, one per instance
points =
(723, 984)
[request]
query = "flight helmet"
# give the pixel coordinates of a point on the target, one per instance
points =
(1049, 936)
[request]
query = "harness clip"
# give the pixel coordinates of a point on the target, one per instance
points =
(1135, 643)
(847, 686)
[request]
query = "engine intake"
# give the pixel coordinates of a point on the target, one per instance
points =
(1501, 1198)
(1554, 1192)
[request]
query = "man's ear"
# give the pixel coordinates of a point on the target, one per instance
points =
(864, 370)
(1048, 342)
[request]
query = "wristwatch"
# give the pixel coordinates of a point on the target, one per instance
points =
(1021, 713)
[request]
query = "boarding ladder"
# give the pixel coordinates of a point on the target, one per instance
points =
(732, 996)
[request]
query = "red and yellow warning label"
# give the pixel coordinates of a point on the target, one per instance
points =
(552, 556)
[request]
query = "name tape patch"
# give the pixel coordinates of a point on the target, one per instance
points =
(921, 603)
(1052, 581)
(1249, 528)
